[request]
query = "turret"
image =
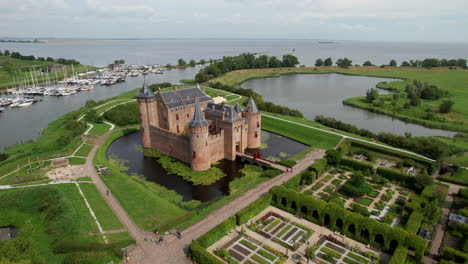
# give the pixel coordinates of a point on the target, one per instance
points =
(148, 113)
(199, 136)
(254, 120)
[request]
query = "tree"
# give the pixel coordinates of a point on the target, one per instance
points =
(405, 64)
(319, 62)
(328, 62)
(414, 100)
(446, 106)
(367, 63)
(371, 95)
(357, 184)
(50, 59)
(423, 180)
(290, 60)
(6, 53)
(168, 66)
(202, 61)
(192, 63)
(274, 62)
(1, 53)
(393, 63)
(201, 77)
(181, 62)
(344, 63)
(333, 157)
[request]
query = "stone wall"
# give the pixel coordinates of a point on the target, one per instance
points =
(176, 146)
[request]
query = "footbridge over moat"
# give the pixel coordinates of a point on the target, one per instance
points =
(259, 162)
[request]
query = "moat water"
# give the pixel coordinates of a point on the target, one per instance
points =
(128, 149)
(323, 94)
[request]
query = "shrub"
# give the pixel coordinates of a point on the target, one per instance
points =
(319, 167)
(199, 254)
(3, 156)
(123, 115)
(357, 165)
(357, 185)
(288, 163)
(399, 256)
(414, 222)
(217, 232)
(360, 209)
(406, 180)
(253, 209)
(454, 255)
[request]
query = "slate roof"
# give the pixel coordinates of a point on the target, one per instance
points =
(198, 118)
(238, 108)
(458, 218)
(251, 106)
(218, 109)
(176, 98)
(145, 92)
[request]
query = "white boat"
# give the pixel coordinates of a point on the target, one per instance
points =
(2, 109)
(26, 102)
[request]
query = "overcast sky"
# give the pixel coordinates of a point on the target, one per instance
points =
(393, 20)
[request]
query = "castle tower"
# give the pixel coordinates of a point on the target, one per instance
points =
(254, 120)
(148, 113)
(199, 136)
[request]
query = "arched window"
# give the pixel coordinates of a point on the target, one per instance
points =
(258, 124)
(194, 155)
(178, 130)
(256, 134)
(177, 117)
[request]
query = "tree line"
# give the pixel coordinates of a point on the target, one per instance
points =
(17, 55)
(426, 63)
(244, 61)
(426, 146)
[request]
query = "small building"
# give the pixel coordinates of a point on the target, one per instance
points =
(456, 218)
(55, 68)
(424, 233)
(410, 170)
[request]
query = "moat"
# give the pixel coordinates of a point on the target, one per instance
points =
(127, 148)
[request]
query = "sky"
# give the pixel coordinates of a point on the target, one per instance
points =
(371, 20)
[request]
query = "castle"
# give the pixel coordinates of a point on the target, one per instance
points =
(186, 124)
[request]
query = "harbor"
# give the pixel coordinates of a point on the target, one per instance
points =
(29, 90)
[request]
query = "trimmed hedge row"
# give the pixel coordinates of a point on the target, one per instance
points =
(454, 255)
(319, 167)
(353, 225)
(198, 254)
(404, 179)
(253, 209)
(217, 232)
(414, 222)
(357, 165)
(399, 256)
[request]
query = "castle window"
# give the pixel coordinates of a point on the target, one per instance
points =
(194, 154)
(177, 117)
(258, 124)
(187, 115)
(256, 134)
(207, 143)
(178, 130)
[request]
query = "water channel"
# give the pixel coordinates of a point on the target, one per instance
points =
(126, 148)
(322, 94)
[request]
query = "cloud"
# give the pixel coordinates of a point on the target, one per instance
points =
(331, 19)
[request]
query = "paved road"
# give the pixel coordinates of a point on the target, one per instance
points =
(173, 250)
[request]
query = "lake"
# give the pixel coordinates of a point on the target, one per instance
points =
(322, 94)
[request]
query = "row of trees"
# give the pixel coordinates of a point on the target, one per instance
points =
(428, 147)
(426, 63)
(244, 61)
(17, 55)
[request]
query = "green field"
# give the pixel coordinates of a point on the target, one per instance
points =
(454, 81)
(24, 67)
(84, 150)
(48, 217)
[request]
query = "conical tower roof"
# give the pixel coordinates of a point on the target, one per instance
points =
(145, 92)
(198, 118)
(251, 106)
(238, 108)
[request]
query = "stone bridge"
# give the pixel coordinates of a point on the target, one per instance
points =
(259, 162)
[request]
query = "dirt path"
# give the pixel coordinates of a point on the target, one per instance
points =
(173, 250)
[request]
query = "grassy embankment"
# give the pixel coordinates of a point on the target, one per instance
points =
(51, 216)
(24, 67)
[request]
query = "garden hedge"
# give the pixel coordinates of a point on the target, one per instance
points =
(454, 255)
(217, 232)
(399, 256)
(406, 180)
(357, 165)
(319, 167)
(414, 222)
(199, 255)
(353, 225)
(253, 209)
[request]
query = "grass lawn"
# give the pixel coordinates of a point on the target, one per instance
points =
(365, 201)
(76, 161)
(311, 137)
(461, 177)
(84, 150)
(104, 214)
(460, 161)
(49, 215)
(99, 129)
